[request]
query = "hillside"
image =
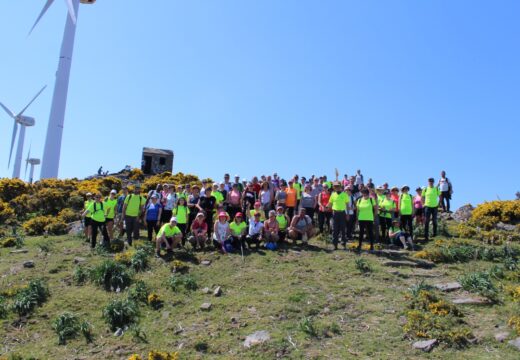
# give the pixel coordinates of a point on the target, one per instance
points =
(314, 303)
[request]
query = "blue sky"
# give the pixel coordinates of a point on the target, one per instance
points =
(400, 89)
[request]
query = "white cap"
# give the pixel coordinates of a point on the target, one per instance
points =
(216, 184)
(113, 191)
(236, 175)
(173, 219)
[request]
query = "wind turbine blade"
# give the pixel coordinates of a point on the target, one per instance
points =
(11, 114)
(44, 10)
(13, 138)
(72, 13)
(34, 98)
(26, 165)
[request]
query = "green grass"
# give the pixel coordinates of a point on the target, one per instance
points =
(315, 303)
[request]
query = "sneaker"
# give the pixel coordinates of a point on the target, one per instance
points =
(158, 255)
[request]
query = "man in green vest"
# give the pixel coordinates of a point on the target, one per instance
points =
(430, 200)
(338, 202)
(406, 210)
(132, 210)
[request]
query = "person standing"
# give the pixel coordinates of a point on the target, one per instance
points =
(87, 221)
(182, 212)
(120, 217)
(387, 212)
(207, 205)
(359, 178)
(351, 212)
(338, 202)
(446, 189)
(406, 210)
(110, 213)
(132, 211)
(193, 200)
(152, 216)
(169, 200)
(97, 216)
(292, 199)
(430, 198)
(324, 212)
(366, 212)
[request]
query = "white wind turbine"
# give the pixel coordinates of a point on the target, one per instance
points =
(33, 162)
(52, 150)
(24, 122)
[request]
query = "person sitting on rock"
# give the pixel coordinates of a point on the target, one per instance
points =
(301, 227)
(170, 235)
(271, 229)
(221, 233)
(199, 232)
(255, 231)
(396, 233)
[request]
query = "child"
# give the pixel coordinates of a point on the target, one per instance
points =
(396, 233)
(418, 207)
(182, 212)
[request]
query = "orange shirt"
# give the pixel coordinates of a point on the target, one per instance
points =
(291, 197)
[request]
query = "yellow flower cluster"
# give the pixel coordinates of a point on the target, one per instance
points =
(179, 266)
(162, 355)
(135, 357)
(124, 257)
(440, 307)
(514, 291)
(153, 298)
(366, 247)
(514, 322)
(13, 290)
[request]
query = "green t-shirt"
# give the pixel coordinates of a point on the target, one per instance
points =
(298, 188)
(133, 204)
(169, 231)
(406, 204)
(386, 206)
(97, 211)
(339, 201)
(218, 196)
(110, 206)
(182, 195)
(328, 183)
(181, 212)
(431, 196)
(282, 221)
(236, 229)
(253, 212)
(86, 205)
(365, 209)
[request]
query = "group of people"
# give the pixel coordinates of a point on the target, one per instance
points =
(235, 216)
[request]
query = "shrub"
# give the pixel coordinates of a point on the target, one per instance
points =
(139, 260)
(481, 283)
(80, 275)
(48, 201)
(76, 202)
(26, 300)
(117, 245)
(514, 322)
(180, 267)
(186, 282)
(8, 242)
(124, 257)
(7, 213)
(363, 265)
(3, 308)
(111, 276)
(154, 301)
(416, 289)
(161, 355)
(466, 231)
(86, 330)
(36, 225)
(21, 205)
(56, 227)
(66, 327)
(68, 215)
(120, 313)
(136, 174)
(488, 214)
(307, 326)
(11, 188)
(139, 292)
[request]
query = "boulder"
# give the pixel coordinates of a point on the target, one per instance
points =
(19, 251)
(451, 286)
(205, 306)
(79, 260)
(218, 291)
(515, 343)
(119, 332)
(471, 301)
(256, 338)
(463, 213)
(205, 262)
(75, 228)
(407, 263)
(501, 336)
(505, 227)
(425, 345)
(206, 290)
(28, 264)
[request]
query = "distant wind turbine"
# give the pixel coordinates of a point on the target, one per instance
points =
(24, 122)
(52, 150)
(33, 162)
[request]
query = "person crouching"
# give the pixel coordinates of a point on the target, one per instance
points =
(170, 235)
(396, 233)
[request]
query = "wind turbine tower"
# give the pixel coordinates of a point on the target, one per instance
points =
(52, 150)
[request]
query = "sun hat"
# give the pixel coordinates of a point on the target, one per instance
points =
(258, 203)
(154, 196)
(239, 214)
(200, 214)
(405, 187)
(113, 191)
(222, 214)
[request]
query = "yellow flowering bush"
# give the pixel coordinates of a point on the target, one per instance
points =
(514, 322)
(135, 357)
(8, 242)
(365, 247)
(136, 174)
(11, 188)
(154, 301)
(514, 292)
(124, 257)
(178, 266)
(12, 290)
(6, 213)
(488, 214)
(162, 355)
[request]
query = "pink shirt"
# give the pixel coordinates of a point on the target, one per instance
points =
(417, 202)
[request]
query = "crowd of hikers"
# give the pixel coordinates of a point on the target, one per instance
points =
(244, 215)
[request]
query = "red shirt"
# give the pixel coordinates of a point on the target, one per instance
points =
(256, 188)
(196, 226)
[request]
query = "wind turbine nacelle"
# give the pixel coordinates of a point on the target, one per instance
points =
(87, 1)
(33, 161)
(26, 120)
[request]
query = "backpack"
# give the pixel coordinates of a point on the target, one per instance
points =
(95, 207)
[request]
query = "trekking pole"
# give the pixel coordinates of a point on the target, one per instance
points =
(242, 250)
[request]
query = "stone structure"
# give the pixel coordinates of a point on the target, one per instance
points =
(156, 161)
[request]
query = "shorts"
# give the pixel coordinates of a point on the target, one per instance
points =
(87, 221)
(166, 216)
(419, 212)
(109, 221)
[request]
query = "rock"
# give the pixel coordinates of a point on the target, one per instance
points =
(28, 264)
(165, 315)
(402, 320)
(218, 291)
(256, 338)
(206, 290)
(502, 336)
(505, 227)
(407, 263)
(19, 251)
(451, 286)
(425, 274)
(205, 306)
(119, 332)
(463, 213)
(515, 343)
(79, 260)
(205, 262)
(75, 228)
(425, 345)
(471, 301)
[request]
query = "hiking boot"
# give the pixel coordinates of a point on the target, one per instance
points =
(158, 255)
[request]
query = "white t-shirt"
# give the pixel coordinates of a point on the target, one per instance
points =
(444, 184)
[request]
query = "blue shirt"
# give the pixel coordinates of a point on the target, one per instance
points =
(153, 211)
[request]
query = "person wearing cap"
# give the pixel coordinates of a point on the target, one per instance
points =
(292, 199)
(193, 200)
(221, 232)
(404, 237)
(132, 211)
(324, 212)
(418, 207)
(220, 208)
(301, 227)
(110, 205)
(386, 214)
(199, 231)
(255, 232)
(87, 221)
(338, 202)
(271, 228)
(257, 209)
(238, 183)
(366, 212)
(97, 220)
(406, 210)
(152, 216)
(169, 199)
(120, 205)
(238, 229)
(207, 205)
(283, 223)
(430, 198)
(234, 200)
(170, 235)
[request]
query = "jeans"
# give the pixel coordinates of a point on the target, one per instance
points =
(385, 224)
(407, 224)
(340, 223)
(430, 213)
(445, 197)
(132, 227)
(369, 227)
(96, 225)
(324, 216)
